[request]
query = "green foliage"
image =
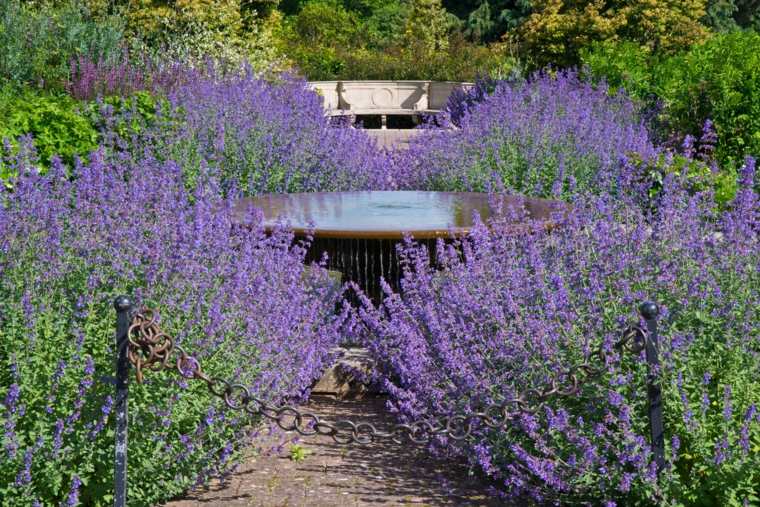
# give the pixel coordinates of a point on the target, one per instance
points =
(726, 15)
(384, 26)
(428, 25)
(37, 44)
(461, 61)
(261, 8)
(698, 398)
(324, 20)
(193, 31)
(54, 120)
(328, 40)
(480, 24)
(122, 122)
(298, 453)
(720, 15)
(699, 176)
(61, 126)
(558, 30)
(718, 80)
(621, 65)
(748, 14)
(502, 15)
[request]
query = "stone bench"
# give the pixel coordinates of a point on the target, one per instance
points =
(385, 98)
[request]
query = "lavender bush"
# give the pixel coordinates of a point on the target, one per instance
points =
(513, 313)
(462, 101)
(241, 301)
(122, 75)
(259, 136)
(550, 135)
(90, 78)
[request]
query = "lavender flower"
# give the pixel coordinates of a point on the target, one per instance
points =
(25, 475)
(12, 397)
(73, 498)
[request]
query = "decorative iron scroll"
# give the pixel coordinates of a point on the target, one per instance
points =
(149, 348)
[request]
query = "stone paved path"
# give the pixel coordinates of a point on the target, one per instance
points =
(393, 138)
(382, 473)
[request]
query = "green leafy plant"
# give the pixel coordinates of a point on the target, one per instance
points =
(557, 30)
(718, 80)
(126, 117)
(54, 120)
(699, 176)
(194, 31)
(298, 453)
(621, 65)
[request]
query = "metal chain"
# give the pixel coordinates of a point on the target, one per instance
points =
(149, 348)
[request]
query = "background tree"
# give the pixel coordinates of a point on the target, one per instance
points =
(325, 21)
(227, 31)
(747, 14)
(719, 15)
(726, 15)
(503, 14)
(260, 8)
(480, 23)
(663, 25)
(385, 25)
(557, 30)
(428, 25)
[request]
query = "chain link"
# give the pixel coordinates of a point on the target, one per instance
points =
(149, 348)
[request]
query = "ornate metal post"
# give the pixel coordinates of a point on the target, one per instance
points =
(123, 306)
(649, 311)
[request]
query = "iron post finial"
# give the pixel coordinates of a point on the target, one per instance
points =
(122, 303)
(649, 310)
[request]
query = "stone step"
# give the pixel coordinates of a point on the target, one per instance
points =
(348, 377)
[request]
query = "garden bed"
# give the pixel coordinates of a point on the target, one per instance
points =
(149, 212)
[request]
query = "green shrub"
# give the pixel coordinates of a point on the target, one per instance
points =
(195, 31)
(429, 26)
(54, 120)
(385, 25)
(126, 116)
(324, 22)
(621, 65)
(37, 44)
(699, 176)
(718, 80)
(556, 31)
(461, 61)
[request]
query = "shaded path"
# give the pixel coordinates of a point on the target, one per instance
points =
(381, 473)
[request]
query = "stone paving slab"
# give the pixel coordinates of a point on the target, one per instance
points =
(393, 138)
(381, 473)
(345, 378)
